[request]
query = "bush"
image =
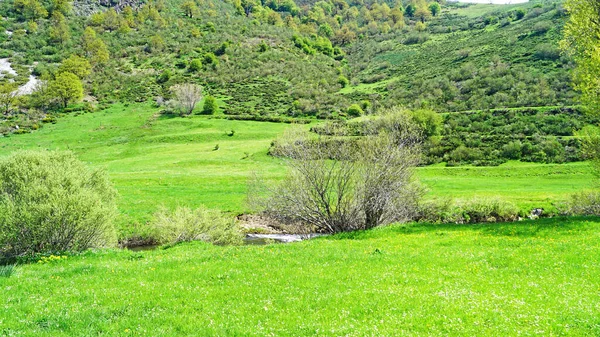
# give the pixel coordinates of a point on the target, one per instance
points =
(416, 38)
(355, 110)
(185, 224)
(541, 28)
(51, 202)
(210, 106)
(583, 203)
(547, 51)
(471, 211)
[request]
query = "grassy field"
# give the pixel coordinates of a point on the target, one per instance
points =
(521, 279)
(156, 160)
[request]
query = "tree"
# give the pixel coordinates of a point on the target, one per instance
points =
(343, 81)
(435, 8)
(336, 185)
(423, 14)
(156, 43)
(189, 8)
(63, 6)
(94, 48)
(51, 202)
(66, 87)
(581, 42)
(186, 97)
(30, 9)
(410, 10)
(111, 20)
(59, 31)
(8, 96)
(98, 52)
(210, 106)
(76, 65)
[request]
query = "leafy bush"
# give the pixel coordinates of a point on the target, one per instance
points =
(185, 224)
(51, 202)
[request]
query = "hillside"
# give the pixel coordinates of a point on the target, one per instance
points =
(295, 59)
(529, 278)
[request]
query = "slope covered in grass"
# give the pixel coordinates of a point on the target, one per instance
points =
(528, 278)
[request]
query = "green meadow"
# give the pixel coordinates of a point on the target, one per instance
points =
(526, 278)
(157, 160)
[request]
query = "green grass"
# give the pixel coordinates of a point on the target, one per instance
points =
(156, 160)
(529, 278)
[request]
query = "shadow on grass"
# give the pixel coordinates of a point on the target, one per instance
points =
(526, 228)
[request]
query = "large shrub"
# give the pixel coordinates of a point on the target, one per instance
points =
(185, 224)
(52, 202)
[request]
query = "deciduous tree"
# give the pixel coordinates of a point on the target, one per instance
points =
(66, 87)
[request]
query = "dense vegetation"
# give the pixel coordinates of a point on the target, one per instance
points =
(286, 58)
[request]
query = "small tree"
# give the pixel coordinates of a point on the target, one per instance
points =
(186, 97)
(8, 96)
(210, 105)
(435, 8)
(66, 87)
(189, 8)
(339, 185)
(76, 65)
(51, 202)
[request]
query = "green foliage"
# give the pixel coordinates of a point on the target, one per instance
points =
(355, 110)
(583, 203)
(195, 65)
(580, 41)
(76, 65)
(201, 224)
(66, 87)
(429, 121)
(51, 202)
(435, 8)
(478, 210)
(211, 60)
(343, 81)
(210, 106)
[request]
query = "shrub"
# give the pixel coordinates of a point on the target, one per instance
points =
(583, 203)
(185, 224)
(470, 211)
(547, 51)
(355, 110)
(210, 105)
(336, 185)
(416, 38)
(343, 81)
(541, 27)
(51, 202)
(195, 66)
